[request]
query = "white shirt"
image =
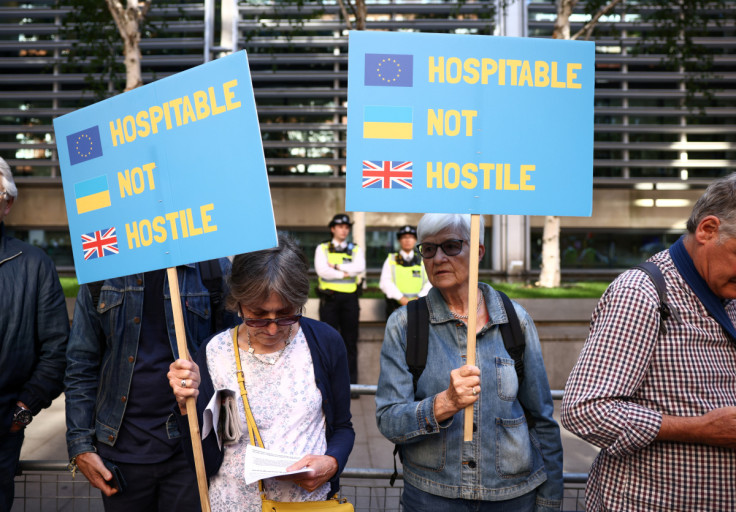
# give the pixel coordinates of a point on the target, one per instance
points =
(387, 285)
(326, 272)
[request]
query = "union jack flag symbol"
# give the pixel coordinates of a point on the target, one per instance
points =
(387, 174)
(100, 243)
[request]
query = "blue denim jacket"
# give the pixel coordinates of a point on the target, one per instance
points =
(506, 458)
(102, 350)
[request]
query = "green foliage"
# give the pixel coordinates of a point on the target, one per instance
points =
(70, 286)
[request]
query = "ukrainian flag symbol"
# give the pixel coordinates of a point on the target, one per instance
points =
(84, 145)
(92, 194)
(380, 122)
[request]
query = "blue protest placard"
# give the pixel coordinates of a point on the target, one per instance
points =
(469, 124)
(167, 174)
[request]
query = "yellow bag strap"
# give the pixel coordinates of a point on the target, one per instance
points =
(255, 436)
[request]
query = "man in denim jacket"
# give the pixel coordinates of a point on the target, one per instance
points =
(118, 402)
(33, 338)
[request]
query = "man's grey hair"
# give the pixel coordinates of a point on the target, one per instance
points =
(432, 223)
(256, 275)
(718, 200)
(6, 179)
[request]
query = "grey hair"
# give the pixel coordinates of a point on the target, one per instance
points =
(719, 200)
(256, 275)
(432, 223)
(6, 179)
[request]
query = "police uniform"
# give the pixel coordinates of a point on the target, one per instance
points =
(338, 305)
(402, 275)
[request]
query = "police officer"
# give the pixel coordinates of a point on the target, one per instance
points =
(403, 277)
(339, 264)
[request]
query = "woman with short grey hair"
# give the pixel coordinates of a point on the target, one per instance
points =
(296, 376)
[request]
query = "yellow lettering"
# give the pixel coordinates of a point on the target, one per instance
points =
(200, 104)
(171, 217)
(434, 121)
(132, 235)
(472, 76)
(159, 229)
(176, 105)
(452, 115)
(146, 232)
(229, 95)
(141, 119)
(499, 176)
(138, 185)
(124, 183)
(455, 168)
(454, 62)
(507, 185)
(193, 231)
(556, 83)
(156, 115)
(183, 223)
(572, 67)
(541, 73)
(437, 69)
(129, 122)
(434, 177)
(501, 72)
(149, 169)
(167, 116)
(188, 113)
(471, 181)
(469, 115)
(513, 64)
(116, 130)
(215, 109)
(486, 168)
(489, 67)
(206, 218)
(525, 170)
(525, 77)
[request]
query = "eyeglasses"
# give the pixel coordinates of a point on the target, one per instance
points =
(449, 247)
(263, 322)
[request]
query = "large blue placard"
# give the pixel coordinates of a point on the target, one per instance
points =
(167, 174)
(469, 124)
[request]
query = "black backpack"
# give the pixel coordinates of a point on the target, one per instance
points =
(417, 343)
(665, 311)
(211, 275)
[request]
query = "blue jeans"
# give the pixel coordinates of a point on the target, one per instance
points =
(415, 500)
(10, 444)
(168, 485)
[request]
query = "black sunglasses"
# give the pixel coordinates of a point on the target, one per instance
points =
(263, 322)
(449, 247)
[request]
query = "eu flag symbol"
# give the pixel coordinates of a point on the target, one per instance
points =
(387, 122)
(389, 69)
(92, 194)
(84, 145)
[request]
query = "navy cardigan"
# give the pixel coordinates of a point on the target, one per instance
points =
(329, 358)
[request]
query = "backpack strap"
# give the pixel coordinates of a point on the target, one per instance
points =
(417, 338)
(211, 275)
(95, 288)
(513, 338)
(665, 311)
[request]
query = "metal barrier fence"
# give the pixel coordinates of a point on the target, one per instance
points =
(46, 486)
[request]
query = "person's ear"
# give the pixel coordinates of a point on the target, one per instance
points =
(8, 204)
(707, 229)
(481, 251)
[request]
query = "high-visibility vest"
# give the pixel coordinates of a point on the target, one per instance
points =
(344, 285)
(409, 277)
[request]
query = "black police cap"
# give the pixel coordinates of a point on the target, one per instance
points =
(406, 230)
(340, 218)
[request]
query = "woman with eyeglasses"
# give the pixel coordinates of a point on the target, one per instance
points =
(297, 382)
(514, 461)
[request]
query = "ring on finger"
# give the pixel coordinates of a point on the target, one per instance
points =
(183, 383)
(474, 391)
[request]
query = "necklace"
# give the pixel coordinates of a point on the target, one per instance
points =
(481, 300)
(267, 360)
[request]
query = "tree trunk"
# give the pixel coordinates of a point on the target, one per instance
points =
(549, 277)
(127, 20)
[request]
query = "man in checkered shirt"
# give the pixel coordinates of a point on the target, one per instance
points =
(661, 402)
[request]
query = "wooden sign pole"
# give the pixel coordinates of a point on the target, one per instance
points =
(181, 343)
(472, 310)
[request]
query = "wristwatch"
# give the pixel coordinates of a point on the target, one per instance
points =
(22, 416)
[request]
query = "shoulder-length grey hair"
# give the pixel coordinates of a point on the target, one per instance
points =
(6, 179)
(256, 275)
(432, 223)
(719, 199)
